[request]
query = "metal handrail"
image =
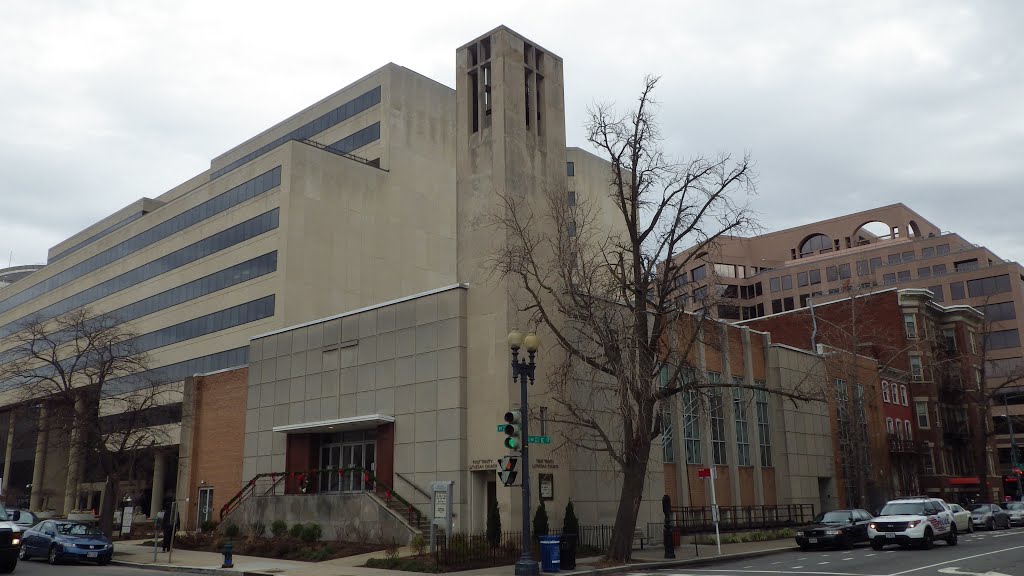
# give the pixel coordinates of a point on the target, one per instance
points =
(249, 489)
(415, 487)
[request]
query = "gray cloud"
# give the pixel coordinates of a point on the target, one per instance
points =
(843, 106)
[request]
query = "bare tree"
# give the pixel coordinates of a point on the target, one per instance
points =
(608, 288)
(90, 374)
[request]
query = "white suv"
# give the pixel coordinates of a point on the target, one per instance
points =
(907, 521)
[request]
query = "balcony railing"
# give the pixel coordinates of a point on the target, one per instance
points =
(898, 445)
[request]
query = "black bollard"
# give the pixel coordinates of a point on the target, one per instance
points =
(666, 507)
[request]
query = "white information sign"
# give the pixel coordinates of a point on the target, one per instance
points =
(441, 505)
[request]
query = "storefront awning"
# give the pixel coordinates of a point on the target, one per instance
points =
(336, 425)
(963, 481)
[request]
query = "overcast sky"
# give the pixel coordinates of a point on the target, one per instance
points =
(844, 106)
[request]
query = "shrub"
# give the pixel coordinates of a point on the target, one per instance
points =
(391, 551)
(786, 533)
(295, 531)
(711, 541)
(570, 523)
(493, 523)
(231, 531)
(208, 526)
(419, 544)
(540, 521)
(257, 529)
(279, 528)
(311, 532)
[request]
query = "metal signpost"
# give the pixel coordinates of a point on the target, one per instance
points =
(710, 474)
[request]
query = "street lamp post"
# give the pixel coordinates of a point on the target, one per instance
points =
(523, 370)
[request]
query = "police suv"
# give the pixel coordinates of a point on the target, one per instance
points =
(916, 520)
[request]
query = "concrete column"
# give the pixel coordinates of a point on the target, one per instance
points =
(8, 453)
(35, 501)
(159, 468)
(729, 411)
(753, 430)
(74, 459)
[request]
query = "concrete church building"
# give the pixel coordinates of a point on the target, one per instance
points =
(320, 298)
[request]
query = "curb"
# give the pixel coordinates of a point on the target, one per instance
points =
(702, 561)
(188, 569)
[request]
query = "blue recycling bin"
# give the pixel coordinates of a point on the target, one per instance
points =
(550, 553)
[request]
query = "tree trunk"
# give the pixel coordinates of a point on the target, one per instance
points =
(109, 506)
(634, 475)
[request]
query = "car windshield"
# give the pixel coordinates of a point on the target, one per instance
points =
(834, 517)
(1015, 506)
(3, 515)
(72, 529)
(900, 508)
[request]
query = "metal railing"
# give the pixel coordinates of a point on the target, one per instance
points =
(311, 481)
(469, 551)
(326, 148)
(693, 519)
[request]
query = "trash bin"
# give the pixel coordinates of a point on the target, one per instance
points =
(567, 551)
(549, 553)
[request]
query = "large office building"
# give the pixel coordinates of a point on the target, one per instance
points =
(891, 246)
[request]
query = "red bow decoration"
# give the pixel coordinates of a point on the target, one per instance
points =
(366, 476)
(252, 482)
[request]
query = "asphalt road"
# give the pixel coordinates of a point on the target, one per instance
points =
(998, 553)
(41, 568)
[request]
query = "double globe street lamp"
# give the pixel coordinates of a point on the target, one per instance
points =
(523, 370)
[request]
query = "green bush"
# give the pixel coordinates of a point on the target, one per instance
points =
(311, 532)
(403, 564)
(493, 524)
(711, 541)
(208, 526)
(786, 533)
(295, 531)
(540, 521)
(279, 528)
(419, 544)
(231, 531)
(570, 523)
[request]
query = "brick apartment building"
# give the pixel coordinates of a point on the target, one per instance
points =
(886, 246)
(929, 382)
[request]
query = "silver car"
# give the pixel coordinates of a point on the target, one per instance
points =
(989, 516)
(1016, 510)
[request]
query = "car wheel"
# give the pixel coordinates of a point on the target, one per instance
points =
(952, 538)
(53, 557)
(104, 562)
(990, 525)
(928, 540)
(970, 527)
(877, 545)
(846, 543)
(23, 553)
(803, 547)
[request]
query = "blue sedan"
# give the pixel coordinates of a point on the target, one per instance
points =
(60, 540)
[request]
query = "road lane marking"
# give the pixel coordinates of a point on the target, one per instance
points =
(850, 558)
(957, 560)
(822, 563)
(705, 571)
(953, 570)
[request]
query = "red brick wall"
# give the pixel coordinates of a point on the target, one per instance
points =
(218, 437)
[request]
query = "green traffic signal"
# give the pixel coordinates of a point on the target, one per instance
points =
(513, 443)
(513, 421)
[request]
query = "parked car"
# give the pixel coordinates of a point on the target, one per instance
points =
(1016, 511)
(23, 517)
(841, 528)
(989, 516)
(962, 518)
(10, 541)
(59, 541)
(907, 521)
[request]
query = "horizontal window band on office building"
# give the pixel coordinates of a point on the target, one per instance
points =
(97, 236)
(233, 358)
(136, 419)
(197, 327)
(211, 245)
(306, 131)
(358, 139)
(192, 216)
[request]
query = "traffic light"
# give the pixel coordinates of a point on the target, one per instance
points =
(513, 425)
(507, 469)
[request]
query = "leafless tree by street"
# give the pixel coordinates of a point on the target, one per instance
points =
(90, 375)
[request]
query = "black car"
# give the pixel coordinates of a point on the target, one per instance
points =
(840, 528)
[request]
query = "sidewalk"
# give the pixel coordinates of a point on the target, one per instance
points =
(133, 553)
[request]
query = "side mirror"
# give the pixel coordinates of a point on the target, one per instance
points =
(16, 516)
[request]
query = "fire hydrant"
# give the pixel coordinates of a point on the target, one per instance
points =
(228, 548)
